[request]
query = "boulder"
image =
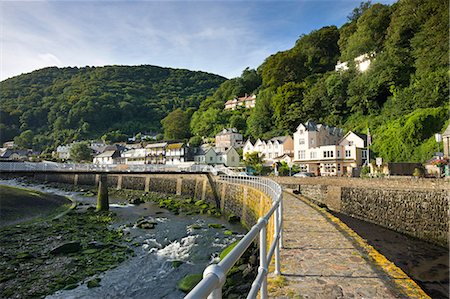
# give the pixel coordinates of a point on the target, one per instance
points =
(69, 247)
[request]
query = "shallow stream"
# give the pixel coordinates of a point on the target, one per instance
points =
(151, 273)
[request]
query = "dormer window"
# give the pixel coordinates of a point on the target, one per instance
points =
(350, 143)
(300, 132)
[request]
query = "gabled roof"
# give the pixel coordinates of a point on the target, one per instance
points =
(107, 154)
(228, 131)
(175, 146)
(312, 126)
(362, 136)
(157, 145)
(280, 139)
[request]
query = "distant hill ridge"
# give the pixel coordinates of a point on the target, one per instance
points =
(63, 104)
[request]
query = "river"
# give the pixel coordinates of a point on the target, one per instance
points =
(150, 273)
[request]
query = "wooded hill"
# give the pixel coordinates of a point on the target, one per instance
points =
(55, 106)
(403, 97)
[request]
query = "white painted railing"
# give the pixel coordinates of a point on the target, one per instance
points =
(214, 275)
(52, 166)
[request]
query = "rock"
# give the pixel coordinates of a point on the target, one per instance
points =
(97, 245)
(228, 233)
(199, 202)
(147, 223)
(69, 247)
(90, 208)
(233, 218)
(189, 282)
(93, 283)
(176, 264)
(70, 286)
(215, 225)
(135, 201)
(24, 256)
(224, 252)
(196, 226)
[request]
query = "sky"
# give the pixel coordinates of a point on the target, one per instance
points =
(221, 37)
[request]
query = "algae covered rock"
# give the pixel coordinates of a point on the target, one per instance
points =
(176, 264)
(189, 282)
(215, 225)
(227, 250)
(69, 247)
(93, 283)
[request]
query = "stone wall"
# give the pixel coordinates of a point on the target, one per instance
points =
(421, 214)
(243, 201)
(416, 207)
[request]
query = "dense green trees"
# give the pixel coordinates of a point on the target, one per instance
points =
(402, 96)
(81, 152)
(62, 105)
(176, 125)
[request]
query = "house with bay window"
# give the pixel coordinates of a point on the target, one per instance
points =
(323, 150)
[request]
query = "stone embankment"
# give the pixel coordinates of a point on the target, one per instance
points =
(416, 207)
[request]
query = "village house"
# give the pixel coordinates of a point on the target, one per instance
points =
(322, 150)
(108, 157)
(216, 156)
(9, 154)
(362, 63)
(156, 153)
(242, 102)
(135, 156)
(272, 150)
(177, 153)
(229, 137)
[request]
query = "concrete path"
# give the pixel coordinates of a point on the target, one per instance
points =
(322, 258)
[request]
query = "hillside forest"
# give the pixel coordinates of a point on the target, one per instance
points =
(403, 97)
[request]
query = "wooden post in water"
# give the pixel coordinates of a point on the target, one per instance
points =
(102, 197)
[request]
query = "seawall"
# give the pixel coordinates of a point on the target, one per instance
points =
(243, 201)
(415, 207)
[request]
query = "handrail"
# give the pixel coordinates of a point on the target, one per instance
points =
(214, 275)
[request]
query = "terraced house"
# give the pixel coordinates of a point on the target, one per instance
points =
(323, 150)
(272, 149)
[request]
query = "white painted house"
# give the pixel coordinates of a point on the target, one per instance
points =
(108, 157)
(322, 150)
(229, 137)
(272, 149)
(216, 156)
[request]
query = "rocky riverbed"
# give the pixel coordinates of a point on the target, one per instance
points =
(144, 246)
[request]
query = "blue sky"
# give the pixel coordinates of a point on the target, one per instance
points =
(222, 37)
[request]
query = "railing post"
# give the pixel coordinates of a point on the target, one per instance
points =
(277, 248)
(263, 259)
(281, 220)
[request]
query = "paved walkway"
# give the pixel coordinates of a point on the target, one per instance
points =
(322, 258)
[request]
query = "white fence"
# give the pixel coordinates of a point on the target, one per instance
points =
(214, 275)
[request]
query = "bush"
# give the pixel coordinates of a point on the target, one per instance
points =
(418, 172)
(365, 171)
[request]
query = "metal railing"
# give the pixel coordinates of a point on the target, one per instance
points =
(68, 167)
(214, 275)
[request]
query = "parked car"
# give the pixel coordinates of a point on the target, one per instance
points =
(304, 174)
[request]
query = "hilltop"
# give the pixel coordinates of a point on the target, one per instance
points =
(55, 106)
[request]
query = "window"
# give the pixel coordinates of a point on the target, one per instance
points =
(232, 159)
(328, 154)
(210, 159)
(301, 141)
(339, 167)
(313, 155)
(348, 153)
(350, 143)
(300, 132)
(220, 158)
(270, 155)
(301, 154)
(328, 167)
(338, 154)
(312, 141)
(364, 154)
